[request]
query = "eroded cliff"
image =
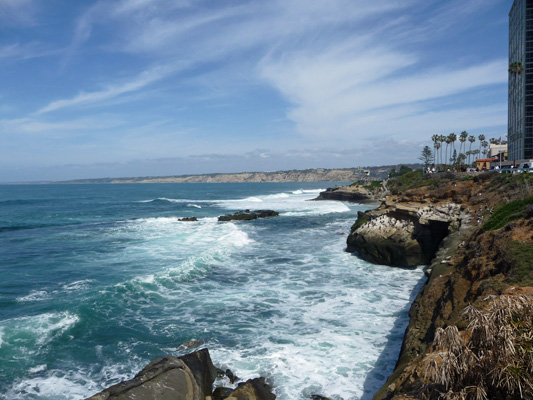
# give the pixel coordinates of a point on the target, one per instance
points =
(481, 250)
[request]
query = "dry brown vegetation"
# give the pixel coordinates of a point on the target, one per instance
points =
(492, 359)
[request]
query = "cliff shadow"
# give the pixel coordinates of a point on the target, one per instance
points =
(382, 370)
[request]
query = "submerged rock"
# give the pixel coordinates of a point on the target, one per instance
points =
(248, 215)
(189, 344)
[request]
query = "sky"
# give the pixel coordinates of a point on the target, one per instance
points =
(122, 88)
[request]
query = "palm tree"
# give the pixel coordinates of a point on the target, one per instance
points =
(475, 153)
(435, 139)
(471, 139)
(437, 146)
(481, 139)
(452, 137)
(485, 144)
(442, 139)
(462, 138)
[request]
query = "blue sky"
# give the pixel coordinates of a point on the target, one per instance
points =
(168, 87)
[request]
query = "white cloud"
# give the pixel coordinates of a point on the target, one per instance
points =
(111, 91)
(17, 11)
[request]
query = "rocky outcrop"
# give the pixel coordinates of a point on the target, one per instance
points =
(189, 377)
(248, 215)
(353, 194)
(406, 233)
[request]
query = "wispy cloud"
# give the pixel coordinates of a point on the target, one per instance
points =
(17, 11)
(142, 80)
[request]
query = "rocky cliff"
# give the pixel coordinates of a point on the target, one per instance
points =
(476, 234)
(405, 232)
(372, 192)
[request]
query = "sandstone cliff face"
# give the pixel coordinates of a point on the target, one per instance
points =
(404, 232)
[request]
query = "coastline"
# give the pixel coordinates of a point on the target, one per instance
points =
(477, 262)
(307, 175)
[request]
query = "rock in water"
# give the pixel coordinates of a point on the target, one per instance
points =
(248, 215)
(189, 377)
(189, 344)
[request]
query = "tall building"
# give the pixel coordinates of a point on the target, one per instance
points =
(520, 117)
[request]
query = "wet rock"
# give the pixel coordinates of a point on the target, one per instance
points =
(221, 393)
(318, 397)
(189, 344)
(232, 378)
(248, 215)
(253, 389)
(188, 219)
(163, 379)
(189, 377)
(203, 369)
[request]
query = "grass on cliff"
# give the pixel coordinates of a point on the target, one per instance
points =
(493, 360)
(416, 179)
(508, 212)
(521, 258)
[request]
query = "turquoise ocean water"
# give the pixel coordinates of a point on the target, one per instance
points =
(97, 280)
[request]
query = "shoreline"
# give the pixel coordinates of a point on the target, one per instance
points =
(476, 263)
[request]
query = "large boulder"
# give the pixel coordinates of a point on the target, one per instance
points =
(189, 377)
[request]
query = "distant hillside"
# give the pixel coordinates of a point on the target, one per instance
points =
(307, 175)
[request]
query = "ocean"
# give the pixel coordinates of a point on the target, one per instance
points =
(98, 280)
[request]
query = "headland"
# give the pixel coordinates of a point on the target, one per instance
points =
(470, 326)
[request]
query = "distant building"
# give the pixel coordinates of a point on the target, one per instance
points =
(520, 116)
(498, 151)
(497, 155)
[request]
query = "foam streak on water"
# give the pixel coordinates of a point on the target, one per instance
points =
(84, 306)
